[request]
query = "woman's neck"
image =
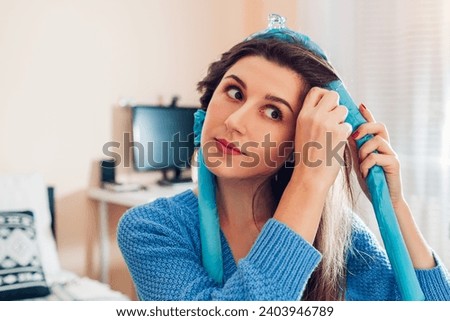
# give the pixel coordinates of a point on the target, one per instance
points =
(238, 222)
(235, 203)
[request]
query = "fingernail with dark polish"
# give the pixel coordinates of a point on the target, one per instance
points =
(355, 134)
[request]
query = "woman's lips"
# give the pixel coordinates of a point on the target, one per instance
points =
(227, 148)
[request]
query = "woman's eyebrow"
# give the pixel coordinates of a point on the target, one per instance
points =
(239, 80)
(268, 96)
(279, 100)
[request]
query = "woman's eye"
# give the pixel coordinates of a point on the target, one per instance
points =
(234, 93)
(273, 113)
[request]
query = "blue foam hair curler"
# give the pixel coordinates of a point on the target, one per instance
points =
(390, 231)
(207, 208)
(381, 201)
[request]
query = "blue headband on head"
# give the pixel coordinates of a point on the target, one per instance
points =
(376, 182)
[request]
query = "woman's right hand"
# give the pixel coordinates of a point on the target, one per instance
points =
(320, 138)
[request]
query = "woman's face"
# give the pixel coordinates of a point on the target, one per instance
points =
(250, 123)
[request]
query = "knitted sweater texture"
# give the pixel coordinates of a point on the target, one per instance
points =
(160, 242)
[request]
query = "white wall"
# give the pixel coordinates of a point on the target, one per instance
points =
(64, 64)
(331, 25)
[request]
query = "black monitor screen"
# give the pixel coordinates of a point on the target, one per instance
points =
(163, 137)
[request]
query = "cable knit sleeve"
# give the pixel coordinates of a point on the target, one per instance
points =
(370, 275)
(162, 253)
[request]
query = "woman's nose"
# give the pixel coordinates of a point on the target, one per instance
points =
(239, 120)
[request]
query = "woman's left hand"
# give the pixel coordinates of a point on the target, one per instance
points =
(386, 157)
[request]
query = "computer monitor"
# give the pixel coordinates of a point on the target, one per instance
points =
(163, 140)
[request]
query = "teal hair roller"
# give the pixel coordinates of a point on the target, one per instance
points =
(381, 201)
(212, 246)
(207, 209)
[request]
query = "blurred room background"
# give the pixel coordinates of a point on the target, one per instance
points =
(67, 66)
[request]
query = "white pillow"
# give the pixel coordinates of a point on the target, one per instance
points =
(19, 192)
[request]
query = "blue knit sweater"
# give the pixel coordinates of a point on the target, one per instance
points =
(160, 242)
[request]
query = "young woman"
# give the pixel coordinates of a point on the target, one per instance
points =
(280, 153)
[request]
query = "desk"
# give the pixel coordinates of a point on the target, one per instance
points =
(127, 199)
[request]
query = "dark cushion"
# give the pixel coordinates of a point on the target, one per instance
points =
(21, 273)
